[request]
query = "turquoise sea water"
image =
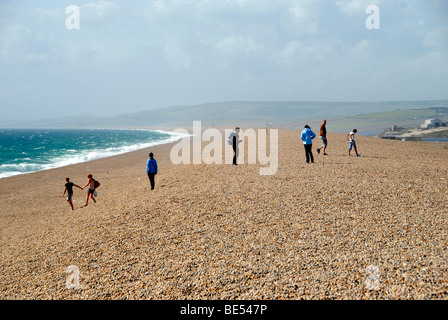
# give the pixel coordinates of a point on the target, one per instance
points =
(30, 150)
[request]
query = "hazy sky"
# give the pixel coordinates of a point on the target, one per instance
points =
(136, 55)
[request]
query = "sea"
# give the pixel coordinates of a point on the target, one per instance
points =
(29, 150)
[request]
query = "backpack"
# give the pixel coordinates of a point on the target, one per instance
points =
(96, 184)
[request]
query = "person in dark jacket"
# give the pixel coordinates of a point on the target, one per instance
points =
(69, 189)
(307, 136)
(151, 169)
(234, 140)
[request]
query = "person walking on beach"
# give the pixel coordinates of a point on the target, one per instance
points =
(69, 189)
(92, 186)
(351, 139)
(234, 140)
(323, 136)
(151, 169)
(307, 136)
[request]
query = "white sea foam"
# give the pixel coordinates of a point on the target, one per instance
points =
(8, 170)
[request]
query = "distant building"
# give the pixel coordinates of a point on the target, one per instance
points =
(433, 123)
(395, 128)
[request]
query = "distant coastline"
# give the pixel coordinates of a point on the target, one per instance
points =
(434, 129)
(367, 116)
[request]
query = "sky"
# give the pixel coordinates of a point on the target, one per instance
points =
(137, 55)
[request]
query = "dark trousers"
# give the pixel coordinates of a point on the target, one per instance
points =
(235, 150)
(151, 179)
(309, 153)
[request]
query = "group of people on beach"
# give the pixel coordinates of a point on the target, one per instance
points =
(308, 135)
(151, 171)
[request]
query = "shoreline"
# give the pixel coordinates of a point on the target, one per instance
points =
(221, 128)
(120, 150)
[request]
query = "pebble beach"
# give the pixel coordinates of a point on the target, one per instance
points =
(372, 227)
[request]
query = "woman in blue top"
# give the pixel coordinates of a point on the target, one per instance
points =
(307, 136)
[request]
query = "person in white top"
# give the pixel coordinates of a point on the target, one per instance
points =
(351, 139)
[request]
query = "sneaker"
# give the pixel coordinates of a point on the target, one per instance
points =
(325, 154)
(358, 155)
(318, 150)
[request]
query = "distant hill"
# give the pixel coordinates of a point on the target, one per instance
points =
(286, 114)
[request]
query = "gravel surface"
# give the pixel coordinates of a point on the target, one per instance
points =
(369, 227)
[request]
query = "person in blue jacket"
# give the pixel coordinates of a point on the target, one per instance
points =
(151, 169)
(307, 136)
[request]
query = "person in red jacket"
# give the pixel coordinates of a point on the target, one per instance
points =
(323, 136)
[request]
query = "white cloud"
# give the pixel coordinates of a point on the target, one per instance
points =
(437, 38)
(176, 56)
(299, 53)
(98, 10)
(355, 7)
(250, 49)
(19, 43)
(11, 38)
(236, 44)
(361, 48)
(297, 12)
